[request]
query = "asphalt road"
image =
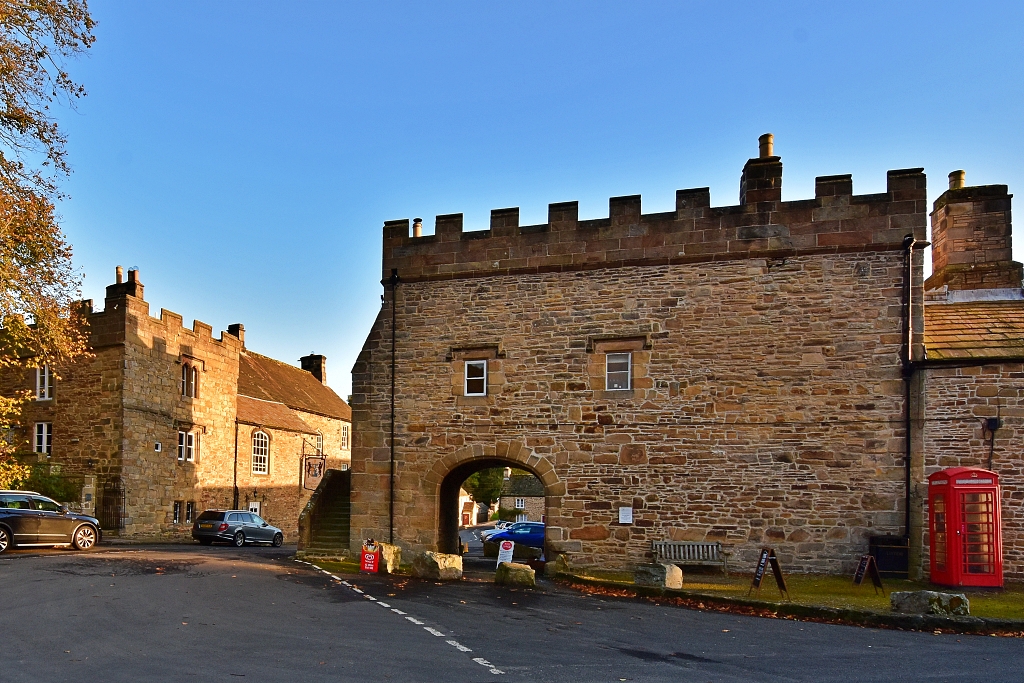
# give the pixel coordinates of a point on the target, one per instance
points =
(188, 613)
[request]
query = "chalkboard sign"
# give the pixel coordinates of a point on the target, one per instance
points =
(868, 566)
(768, 558)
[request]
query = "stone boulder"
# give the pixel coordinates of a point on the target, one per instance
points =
(390, 558)
(513, 574)
(437, 566)
(658, 575)
(930, 602)
(561, 565)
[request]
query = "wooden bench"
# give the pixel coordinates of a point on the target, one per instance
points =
(691, 553)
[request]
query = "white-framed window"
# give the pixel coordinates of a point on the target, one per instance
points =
(44, 438)
(319, 442)
(344, 437)
(254, 507)
(44, 383)
(260, 453)
(189, 380)
(520, 503)
(476, 378)
(186, 446)
(618, 368)
(190, 512)
(522, 517)
(176, 518)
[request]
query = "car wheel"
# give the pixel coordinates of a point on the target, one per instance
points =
(85, 537)
(239, 539)
(205, 541)
(5, 539)
(278, 540)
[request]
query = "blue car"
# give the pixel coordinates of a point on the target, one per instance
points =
(530, 534)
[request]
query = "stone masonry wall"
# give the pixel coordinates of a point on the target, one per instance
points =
(958, 400)
(280, 491)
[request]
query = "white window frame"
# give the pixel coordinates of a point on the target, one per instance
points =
(344, 437)
(522, 517)
(319, 442)
(520, 503)
(466, 378)
(44, 383)
(254, 506)
(187, 442)
(608, 360)
(260, 453)
(190, 512)
(43, 442)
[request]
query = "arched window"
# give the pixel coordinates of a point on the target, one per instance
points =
(194, 383)
(185, 375)
(260, 453)
(319, 442)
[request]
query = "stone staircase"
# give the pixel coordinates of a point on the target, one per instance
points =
(324, 523)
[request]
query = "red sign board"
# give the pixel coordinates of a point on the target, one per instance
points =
(369, 558)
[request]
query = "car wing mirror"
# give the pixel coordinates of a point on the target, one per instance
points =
(265, 524)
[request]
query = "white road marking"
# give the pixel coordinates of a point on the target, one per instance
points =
(383, 604)
(397, 611)
(458, 646)
(433, 631)
(357, 590)
(483, 662)
(415, 621)
(369, 597)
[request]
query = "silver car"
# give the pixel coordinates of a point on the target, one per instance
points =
(237, 527)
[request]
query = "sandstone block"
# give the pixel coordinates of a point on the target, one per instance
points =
(390, 558)
(659, 575)
(437, 566)
(930, 602)
(514, 574)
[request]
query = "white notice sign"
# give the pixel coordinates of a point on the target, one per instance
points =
(505, 549)
(625, 515)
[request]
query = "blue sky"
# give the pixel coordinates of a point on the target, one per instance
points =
(244, 155)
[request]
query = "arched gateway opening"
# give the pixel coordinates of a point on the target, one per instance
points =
(452, 480)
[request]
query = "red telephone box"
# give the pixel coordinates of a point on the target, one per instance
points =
(966, 529)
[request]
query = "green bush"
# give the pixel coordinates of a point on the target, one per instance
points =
(62, 489)
(507, 514)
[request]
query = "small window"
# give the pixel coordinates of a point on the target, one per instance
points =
(177, 512)
(617, 371)
(260, 453)
(194, 383)
(189, 380)
(186, 374)
(187, 442)
(522, 517)
(344, 437)
(520, 503)
(319, 443)
(44, 438)
(254, 507)
(476, 378)
(44, 383)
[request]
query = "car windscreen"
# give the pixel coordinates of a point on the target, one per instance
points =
(211, 515)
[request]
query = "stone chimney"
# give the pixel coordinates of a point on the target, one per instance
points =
(971, 242)
(315, 365)
(121, 289)
(761, 180)
(237, 330)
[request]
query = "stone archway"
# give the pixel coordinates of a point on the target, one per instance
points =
(448, 473)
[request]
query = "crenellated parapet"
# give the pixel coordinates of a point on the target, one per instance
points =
(762, 225)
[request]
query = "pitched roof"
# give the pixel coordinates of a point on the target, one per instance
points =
(271, 380)
(976, 329)
(524, 485)
(270, 414)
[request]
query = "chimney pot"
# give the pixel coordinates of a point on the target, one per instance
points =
(133, 275)
(120, 275)
(417, 227)
(766, 145)
(957, 180)
(237, 330)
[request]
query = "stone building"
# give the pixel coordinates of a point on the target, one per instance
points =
(752, 374)
(162, 421)
(523, 494)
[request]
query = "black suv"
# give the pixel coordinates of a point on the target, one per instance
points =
(29, 519)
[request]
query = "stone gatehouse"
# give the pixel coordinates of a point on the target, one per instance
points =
(730, 373)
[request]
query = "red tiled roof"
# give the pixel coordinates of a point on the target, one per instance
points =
(270, 414)
(977, 329)
(271, 380)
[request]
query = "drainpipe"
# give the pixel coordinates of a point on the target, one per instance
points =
(393, 280)
(908, 366)
(234, 481)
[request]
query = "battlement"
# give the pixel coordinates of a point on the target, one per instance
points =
(762, 225)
